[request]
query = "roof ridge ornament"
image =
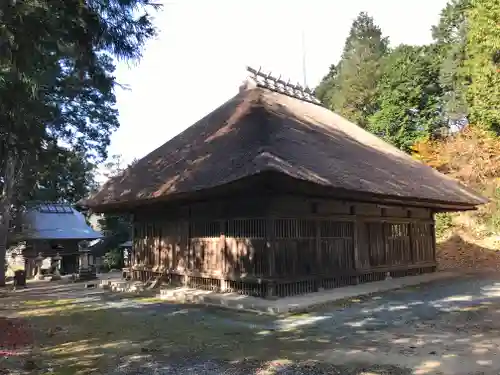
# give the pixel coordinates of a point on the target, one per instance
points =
(269, 82)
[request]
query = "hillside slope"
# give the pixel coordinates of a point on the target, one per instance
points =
(469, 240)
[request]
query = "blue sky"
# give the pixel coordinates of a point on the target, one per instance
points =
(198, 60)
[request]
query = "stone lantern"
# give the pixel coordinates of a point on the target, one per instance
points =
(38, 265)
(56, 263)
(87, 269)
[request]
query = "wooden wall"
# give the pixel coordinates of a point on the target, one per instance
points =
(289, 241)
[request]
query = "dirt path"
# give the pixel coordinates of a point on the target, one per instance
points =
(448, 327)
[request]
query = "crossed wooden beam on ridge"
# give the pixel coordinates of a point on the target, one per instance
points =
(278, 85)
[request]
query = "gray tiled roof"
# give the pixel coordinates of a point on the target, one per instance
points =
(56, 221)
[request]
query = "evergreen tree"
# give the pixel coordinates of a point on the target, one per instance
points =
(483, 64)
(68, 177)
(327, 86)
(57, 83)
(408, 97)
(450, 36)
(353, 90)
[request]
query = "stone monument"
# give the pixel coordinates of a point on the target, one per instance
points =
(38, 265)
(56, 264)
(87, 269)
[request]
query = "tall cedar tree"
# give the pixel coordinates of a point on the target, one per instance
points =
(57, 59)
(349, 89)
(450, 36)
(483, 64)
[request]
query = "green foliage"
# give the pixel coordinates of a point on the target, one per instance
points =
(450, 36)
(490, 215)
(349, 87)
(57, 60)
(421, 92)
(408, 97)
(327, 86)
(113, 259)
(443, 223)
(68, 177)
(56, 71)
(117, 229)
(483, 63)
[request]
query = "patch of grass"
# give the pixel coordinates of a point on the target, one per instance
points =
(50, 302)
(148, 299)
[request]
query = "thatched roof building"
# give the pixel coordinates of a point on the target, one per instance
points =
(259, 131)
(274, 142)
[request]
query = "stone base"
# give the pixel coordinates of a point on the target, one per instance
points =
(296, 304)
(124, 286)
(87, 274)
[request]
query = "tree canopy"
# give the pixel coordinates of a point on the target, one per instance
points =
(57, 101)
(406, 94)
(349, 87)
(483, 63)
(407, 97)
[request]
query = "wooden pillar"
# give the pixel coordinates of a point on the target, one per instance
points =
(221, 248)
(385, 238)
(357, 261)
(190, 252)
(412, 245)
(433, 234)
(318, 244)
(271, 247)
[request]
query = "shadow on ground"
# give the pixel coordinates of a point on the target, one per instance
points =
(447, 327)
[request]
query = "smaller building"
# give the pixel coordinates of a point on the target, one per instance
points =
(51, 228)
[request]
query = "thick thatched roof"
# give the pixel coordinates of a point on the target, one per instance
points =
(262, 130)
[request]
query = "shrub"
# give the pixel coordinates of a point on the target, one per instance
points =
(113, 259)
(444, 222)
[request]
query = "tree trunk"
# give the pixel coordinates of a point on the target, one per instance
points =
(3, 250)
(5, 206)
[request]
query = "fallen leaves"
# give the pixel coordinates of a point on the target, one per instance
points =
(16, 334)
(457, 253)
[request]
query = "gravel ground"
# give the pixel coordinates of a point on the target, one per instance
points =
(447, 327)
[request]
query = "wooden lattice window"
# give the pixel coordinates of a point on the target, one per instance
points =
(376, 244)
(336, 229)
(295, 247)
(205, 229)
(294, 228)
(246, 228)
(398, 243)
(337, 245)
(422, 242)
